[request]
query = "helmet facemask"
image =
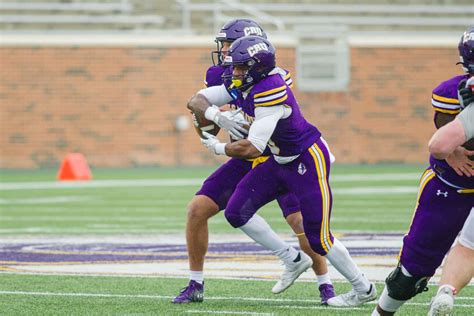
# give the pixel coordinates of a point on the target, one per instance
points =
(217, 56)
(466, 51)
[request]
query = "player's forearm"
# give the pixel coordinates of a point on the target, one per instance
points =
(439, 149)
(198, 104)
(446, 140)
(243, 149)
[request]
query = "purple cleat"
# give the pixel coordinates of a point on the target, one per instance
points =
(193, 293)
(326, 291)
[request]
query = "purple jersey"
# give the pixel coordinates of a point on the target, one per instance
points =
(220, 185)
(214, 76)
(440, 213)
(445, 100)
(293, 135)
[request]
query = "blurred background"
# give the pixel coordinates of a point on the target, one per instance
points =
(111, 78)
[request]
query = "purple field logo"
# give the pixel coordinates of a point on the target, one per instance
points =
(89, 253)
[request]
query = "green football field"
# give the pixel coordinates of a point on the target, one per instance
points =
(78, 248)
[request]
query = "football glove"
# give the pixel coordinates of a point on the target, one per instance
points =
(213, 144)
(231, 123)
(466, 96)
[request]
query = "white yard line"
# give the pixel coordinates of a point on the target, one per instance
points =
(99, 184)
(5, 186)
(191, 182)
(200, 311)
(48, 200)
(216, 298)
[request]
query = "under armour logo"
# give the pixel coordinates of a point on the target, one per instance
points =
(445, 194)
(301, 169)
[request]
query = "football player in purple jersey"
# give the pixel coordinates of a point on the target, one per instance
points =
(300, 162)
(445, 197)
(459, 267)
(217, 188)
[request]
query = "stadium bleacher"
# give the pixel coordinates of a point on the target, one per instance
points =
(204, 17)
(77, 15)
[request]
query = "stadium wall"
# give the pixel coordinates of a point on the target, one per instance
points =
(117, 101)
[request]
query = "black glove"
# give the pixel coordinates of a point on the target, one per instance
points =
(465, 93)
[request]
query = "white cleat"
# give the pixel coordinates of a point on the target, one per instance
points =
(292, 272)
(443, 303)
(352, 298)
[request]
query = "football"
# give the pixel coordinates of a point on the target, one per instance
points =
(201, 124)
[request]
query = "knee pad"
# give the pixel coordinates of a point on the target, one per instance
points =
(236, 220)
(402, 287)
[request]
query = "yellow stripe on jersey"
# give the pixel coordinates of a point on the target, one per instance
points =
(320, 164)
(465, 191)
(259, 160)
(425, 178)
(287, 76)
(444, 99)
(272, 102)
(446, 111)
(262, 94)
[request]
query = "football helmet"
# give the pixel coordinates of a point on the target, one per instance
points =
(232, 31)
(255, 53)
(466, 51)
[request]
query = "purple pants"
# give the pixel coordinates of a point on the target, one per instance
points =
(220, 185)
(306, 177)
(439, 216)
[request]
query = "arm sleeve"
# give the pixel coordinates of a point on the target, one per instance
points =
(218, 95)
(266, 119)
(467, 119)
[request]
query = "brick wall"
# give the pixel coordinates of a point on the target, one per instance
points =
(118, 105)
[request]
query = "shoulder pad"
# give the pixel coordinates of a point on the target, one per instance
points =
(214, 76)
(445, 96)
(270, 91)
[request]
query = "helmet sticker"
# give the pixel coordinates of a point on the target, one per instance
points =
(253, 30)
(254, 49)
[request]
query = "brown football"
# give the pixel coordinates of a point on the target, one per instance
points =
(201, 124)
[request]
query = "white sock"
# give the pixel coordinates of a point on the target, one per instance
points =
(197, 276)
(342, 261)
(324, 279)
(387, 303)
(259, 230)
(288, 254)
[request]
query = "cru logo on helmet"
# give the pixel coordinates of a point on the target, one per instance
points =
(252, 50)
(468, 36)
(253, 30)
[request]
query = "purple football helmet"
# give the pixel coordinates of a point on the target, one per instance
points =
(254, 52)
(232, 31)
(466, 51)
